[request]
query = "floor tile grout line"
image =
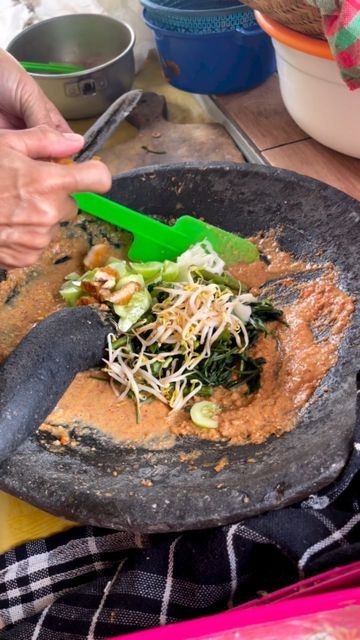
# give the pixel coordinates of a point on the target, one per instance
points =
(286, 144)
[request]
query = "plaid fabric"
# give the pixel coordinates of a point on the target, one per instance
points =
(90, 583)
(341, 20)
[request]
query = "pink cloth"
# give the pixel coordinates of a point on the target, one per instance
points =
(341, 20)
(328, 603)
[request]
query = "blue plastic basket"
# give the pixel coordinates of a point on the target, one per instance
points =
(214, 63)
(209, 16)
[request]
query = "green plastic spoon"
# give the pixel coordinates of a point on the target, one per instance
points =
(156, 241)
(50, 67)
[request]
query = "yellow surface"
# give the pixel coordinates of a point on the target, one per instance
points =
(20, 522)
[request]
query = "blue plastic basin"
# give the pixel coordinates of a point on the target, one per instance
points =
(214, 63)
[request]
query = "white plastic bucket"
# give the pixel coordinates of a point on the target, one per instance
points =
(314, 93)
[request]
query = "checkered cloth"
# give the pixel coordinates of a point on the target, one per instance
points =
(91, 583)
(341, 20)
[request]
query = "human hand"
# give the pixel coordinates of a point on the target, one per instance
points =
(22, 103)
(36, 194)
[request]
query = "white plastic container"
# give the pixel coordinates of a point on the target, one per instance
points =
(313, 91)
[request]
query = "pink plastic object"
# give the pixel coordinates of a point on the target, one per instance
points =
(328, 602)
(335, 579)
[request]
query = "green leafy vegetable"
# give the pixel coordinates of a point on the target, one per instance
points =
(262, 312)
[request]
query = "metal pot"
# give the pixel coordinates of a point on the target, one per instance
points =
(103, 45)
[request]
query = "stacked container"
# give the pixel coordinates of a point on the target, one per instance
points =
(217, 49)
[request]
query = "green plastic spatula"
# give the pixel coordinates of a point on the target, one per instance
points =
(156, 241)
(50, 67)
